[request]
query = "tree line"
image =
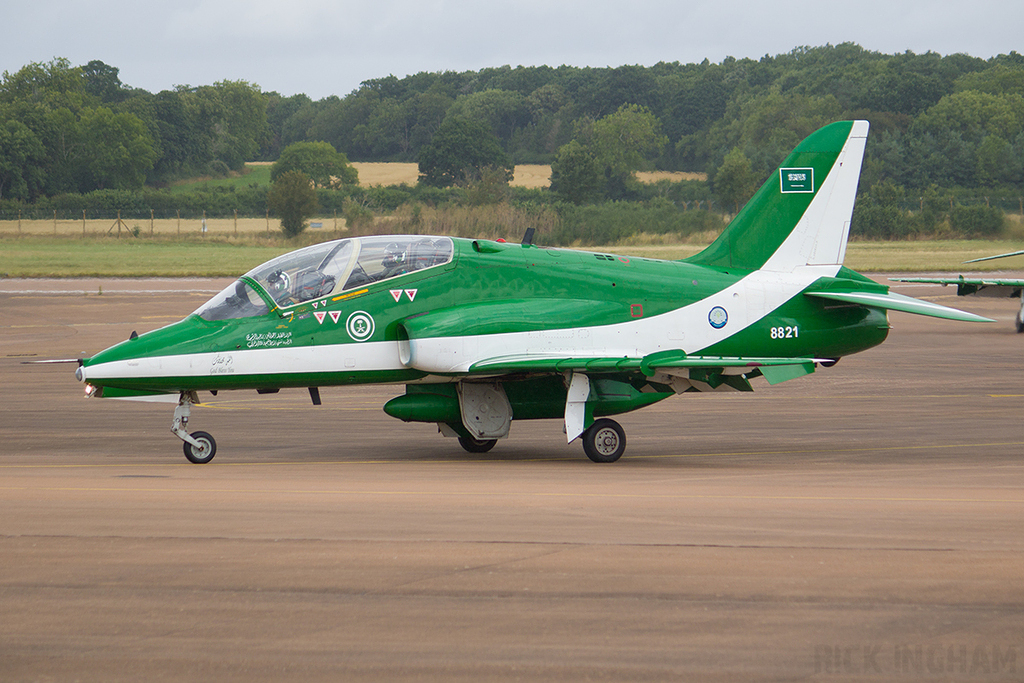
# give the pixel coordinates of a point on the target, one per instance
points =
(954, 122)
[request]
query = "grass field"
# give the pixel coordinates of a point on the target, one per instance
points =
(257, 173)
(40, 256)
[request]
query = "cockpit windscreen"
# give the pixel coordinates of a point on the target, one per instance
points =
(324, 269)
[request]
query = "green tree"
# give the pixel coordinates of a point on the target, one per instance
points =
(625, 140)
(292, 198)
(238, 112)
(995, 159)
(287, 118)
(319, 161)
(877, 214)
(102, 81)
(121, 151)
(386, 133)
(974, 115)
(606, 154)
(335, 120)
(186, 124)
(60, 132)
(1000, 79)
(22, 157)
(735, 181)
(576, 174)
(461, 146)
(52, 85)
(502, 111)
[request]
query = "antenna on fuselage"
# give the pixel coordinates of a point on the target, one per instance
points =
(528, 237)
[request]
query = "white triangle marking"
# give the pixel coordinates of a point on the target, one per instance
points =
(320, 315)
(396, 294)
(411, 293)
(335, 315)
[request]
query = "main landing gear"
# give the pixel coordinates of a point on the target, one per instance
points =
(199, 446)
(473, 445)
(604, 441)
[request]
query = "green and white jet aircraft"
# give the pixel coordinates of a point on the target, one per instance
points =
(482, 333)
(982, 286)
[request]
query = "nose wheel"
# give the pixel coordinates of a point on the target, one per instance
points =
(203, 452)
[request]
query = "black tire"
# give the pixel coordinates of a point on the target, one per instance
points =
(204, 455)
(476, 445)
(1019, 323)
(604, 441)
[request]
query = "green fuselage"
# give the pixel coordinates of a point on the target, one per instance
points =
(486, 288)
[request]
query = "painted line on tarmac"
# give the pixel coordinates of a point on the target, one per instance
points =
(870, 449)
(507, 494)
(500, 461)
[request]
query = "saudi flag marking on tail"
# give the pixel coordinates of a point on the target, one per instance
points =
(797, 179)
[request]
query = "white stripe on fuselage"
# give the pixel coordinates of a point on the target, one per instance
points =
(329, 358)
(687, 328)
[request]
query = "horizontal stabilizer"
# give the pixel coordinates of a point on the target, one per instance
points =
(891, 301)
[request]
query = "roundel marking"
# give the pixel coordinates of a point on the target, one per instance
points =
(718, 317)
(360, 326)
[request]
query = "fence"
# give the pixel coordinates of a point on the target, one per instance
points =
(133, 224)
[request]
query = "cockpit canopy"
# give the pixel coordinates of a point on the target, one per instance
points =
(324, 269)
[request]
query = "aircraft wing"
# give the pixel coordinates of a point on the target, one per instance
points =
(984, 286)
(775, 370)
(891, 301)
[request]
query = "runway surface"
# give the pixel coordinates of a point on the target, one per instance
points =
(861, 523)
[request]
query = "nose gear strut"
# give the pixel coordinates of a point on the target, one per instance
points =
(199, 446)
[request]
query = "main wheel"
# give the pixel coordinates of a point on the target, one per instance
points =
(476, 445)
(1019, 323)
(604, 441)
(204, 454)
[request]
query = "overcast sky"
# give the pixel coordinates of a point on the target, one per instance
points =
(323, 48)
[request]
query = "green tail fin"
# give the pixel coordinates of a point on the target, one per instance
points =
(801, 215)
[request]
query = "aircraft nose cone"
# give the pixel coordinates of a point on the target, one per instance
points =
(80, 374)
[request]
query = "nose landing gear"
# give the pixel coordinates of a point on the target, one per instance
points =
(199, 446)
